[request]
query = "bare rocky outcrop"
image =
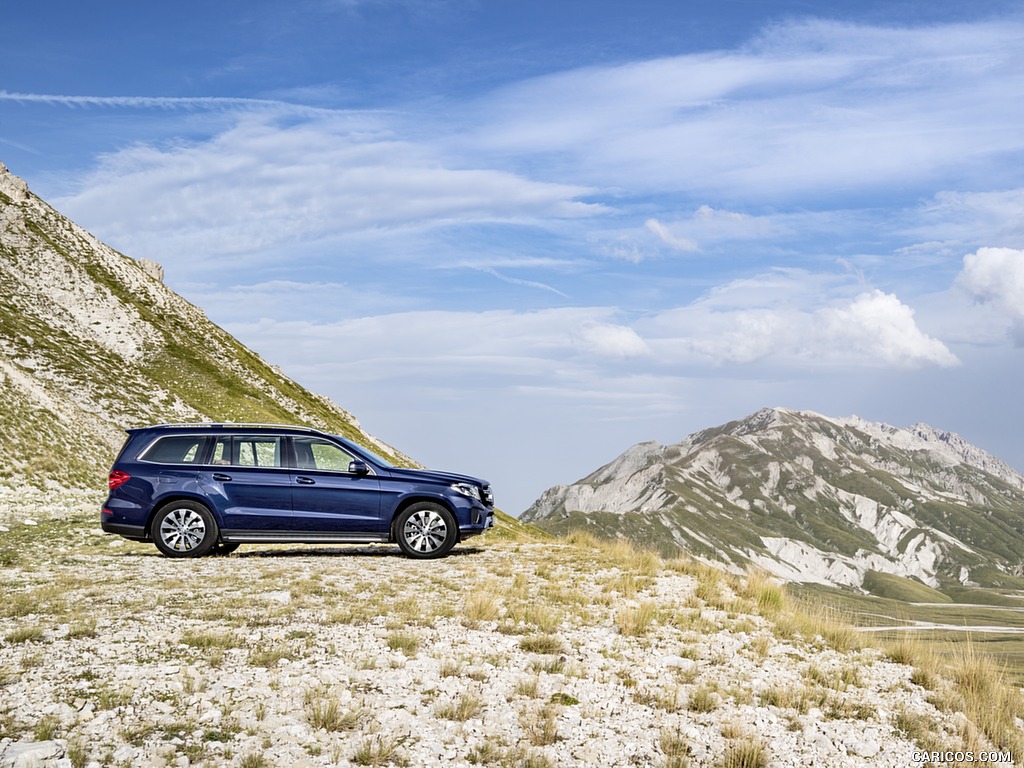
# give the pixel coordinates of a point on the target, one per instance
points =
(153, 269)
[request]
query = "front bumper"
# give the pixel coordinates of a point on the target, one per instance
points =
(483, 520)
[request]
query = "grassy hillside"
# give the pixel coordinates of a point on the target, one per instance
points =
(91, 343)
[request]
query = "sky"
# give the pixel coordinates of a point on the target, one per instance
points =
(516, 238)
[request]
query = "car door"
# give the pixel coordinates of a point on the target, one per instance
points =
(249, 484)
(326, 496)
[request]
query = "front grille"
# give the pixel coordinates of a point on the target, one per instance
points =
(487, 496)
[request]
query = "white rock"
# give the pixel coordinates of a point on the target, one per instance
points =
(677, 662)
(34, 754)
(866, 747)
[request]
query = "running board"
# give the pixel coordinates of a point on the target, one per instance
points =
(302, 537)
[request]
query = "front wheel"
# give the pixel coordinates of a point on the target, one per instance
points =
(184, 529)
(425, 530)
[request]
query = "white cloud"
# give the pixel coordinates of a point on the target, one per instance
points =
(995, 276)
(267, 184)
(578, 349)
(877, 326)
(613, 341)
(663, 233)
(774, 325)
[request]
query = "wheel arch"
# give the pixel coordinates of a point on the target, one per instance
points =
(170, 498)
(416, 499)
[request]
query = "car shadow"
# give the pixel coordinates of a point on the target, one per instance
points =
(346, 551)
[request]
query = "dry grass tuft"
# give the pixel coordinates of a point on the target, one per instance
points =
(765, 591)
(635, 621)
(378, 750)
(323, 710)
(480, 606)
(987, 700)
(703, 699)
(546, 644)
(406, 642)
(467, 707)
(540, 726)
(819, 621)
(675, 748)
(747, 753)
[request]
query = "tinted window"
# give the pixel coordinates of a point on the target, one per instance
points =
(246, 451)
(311, 453)
(175, 449)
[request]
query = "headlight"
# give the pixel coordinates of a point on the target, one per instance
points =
(467, 489)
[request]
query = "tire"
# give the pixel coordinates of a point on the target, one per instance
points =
(224, 547)
(425, 530)
(184, 529)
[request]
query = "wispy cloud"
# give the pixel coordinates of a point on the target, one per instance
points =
(166, 102)
(264, 184)
(811, 106)
(518, 281)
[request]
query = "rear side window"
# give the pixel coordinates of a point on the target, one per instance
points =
(176, 449)
(246, 451)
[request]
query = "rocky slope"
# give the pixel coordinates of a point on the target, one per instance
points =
(810, 498)
(92, 341)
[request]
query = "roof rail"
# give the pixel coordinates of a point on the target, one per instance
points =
(236, 424)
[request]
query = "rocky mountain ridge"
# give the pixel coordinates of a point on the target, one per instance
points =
(811, 499)
(92, 342)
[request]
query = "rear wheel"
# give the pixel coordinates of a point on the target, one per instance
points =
(425, 530)
(184, 529)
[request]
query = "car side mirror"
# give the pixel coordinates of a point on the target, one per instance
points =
(359, 468)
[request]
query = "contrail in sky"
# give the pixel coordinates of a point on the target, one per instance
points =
(170, 102)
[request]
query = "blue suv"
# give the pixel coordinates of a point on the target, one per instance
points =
(198, 489)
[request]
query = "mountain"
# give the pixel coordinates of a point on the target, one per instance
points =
(92, 341)
(811, 499)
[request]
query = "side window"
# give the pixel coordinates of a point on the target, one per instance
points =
(313, 453)
(176, 449)
(246, 451)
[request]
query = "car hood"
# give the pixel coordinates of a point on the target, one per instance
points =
(433, 475)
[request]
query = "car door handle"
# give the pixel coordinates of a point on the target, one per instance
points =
(305, 480)
(221, 477)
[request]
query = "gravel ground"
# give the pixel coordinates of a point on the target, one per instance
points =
(506, 653)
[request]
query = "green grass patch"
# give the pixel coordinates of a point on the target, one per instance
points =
(900, 588)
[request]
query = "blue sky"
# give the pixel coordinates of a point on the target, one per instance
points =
(516, 238)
